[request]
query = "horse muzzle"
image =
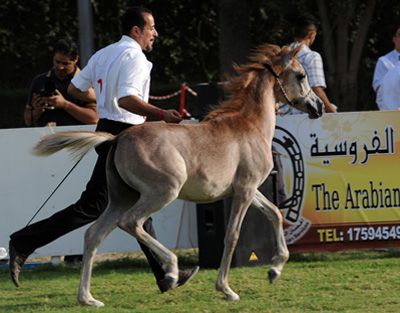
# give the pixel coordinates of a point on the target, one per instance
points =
(315, 108)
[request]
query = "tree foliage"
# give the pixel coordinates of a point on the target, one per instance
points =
(191, 36)
(28, 31)
(186, 50)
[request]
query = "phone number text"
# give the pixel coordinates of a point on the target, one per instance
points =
(367, 233)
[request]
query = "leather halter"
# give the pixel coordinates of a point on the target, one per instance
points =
(268, 67)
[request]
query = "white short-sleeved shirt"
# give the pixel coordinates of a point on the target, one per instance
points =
(314, 67)
(389, 92)
(384, 64)
(116, 71)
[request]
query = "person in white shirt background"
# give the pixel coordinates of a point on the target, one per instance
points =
(389, 91)
(386, 63)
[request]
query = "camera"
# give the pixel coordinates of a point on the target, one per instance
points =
(48, 89)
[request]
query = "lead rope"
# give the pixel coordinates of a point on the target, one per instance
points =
(4, 251)
(58, 186)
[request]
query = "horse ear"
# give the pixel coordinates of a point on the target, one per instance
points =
(292, 54)
(287, 59)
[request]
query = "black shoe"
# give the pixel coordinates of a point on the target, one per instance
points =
(184, 277)
(16, 262)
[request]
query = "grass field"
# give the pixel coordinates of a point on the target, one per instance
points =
(366, 281)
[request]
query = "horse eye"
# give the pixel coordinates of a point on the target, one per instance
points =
(301, 76)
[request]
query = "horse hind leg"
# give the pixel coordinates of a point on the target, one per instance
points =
(132, 222)
(120, 197)
(94, 236)
(282, 253)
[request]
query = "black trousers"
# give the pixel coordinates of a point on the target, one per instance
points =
(92, 203)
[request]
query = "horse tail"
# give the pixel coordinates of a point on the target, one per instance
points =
(78, 143)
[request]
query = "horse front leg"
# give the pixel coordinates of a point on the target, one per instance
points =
(238, 212)
(273, 214)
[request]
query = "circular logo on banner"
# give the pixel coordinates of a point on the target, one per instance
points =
(289, 163)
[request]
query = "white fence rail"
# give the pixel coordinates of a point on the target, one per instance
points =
(26, 181)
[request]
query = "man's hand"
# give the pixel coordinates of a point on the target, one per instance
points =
(57, 101)
(137, 106)
(39, 103)
(171, 116)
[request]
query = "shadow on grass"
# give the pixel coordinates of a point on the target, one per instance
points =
(186, 258)
(343, 256)
(189, 258)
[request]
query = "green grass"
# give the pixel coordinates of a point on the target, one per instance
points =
(365, 281)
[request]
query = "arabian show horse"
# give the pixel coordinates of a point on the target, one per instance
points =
(226, 154)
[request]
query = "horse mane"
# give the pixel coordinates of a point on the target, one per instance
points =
(241, 85)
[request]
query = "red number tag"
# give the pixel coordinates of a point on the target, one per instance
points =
(100, 81)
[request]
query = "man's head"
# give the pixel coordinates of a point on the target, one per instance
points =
(305, 28)
(138, 23)
(65, 56)
(396, 38)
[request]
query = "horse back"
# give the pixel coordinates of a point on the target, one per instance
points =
(203, 161)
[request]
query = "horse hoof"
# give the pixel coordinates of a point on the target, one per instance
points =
(91, 302)
(171, 281)
(272, 275)
(233, 297)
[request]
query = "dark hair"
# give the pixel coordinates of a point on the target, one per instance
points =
(66, 47)
(395, 30)
(304, 24)
(133, 17)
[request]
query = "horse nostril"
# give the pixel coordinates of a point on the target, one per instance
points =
(315, 110)
(320, 106)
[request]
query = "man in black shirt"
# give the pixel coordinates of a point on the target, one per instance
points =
(49, 103)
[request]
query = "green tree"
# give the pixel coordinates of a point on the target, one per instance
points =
(199, 40)
(28, 32)
(343, 62)
(234, 33)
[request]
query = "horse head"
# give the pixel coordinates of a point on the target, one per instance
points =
(292, 87)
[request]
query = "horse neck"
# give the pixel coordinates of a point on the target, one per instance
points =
(260, 109)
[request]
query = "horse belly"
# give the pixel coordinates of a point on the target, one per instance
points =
(204, 192)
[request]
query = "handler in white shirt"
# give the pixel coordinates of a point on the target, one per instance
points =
(117, 71)
(120, 76)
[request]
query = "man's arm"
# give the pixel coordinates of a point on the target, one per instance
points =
(87, 96)
(319, 91)
(28, 117)
(33, 111)
(379, 72)
(84, 115)
(136, 105)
